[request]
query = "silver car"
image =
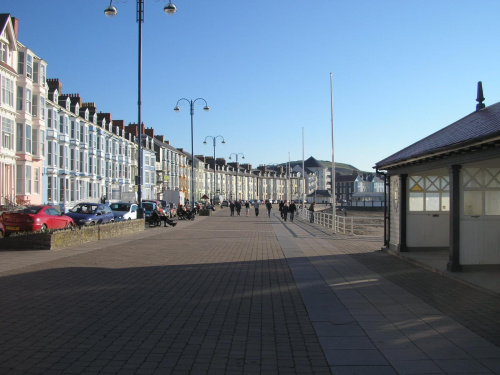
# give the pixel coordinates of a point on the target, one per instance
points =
(124, 211)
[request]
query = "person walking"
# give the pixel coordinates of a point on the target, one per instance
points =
(247, 208)
(311, 212)
(269, 206)
(284, 211)
(238, 207)
(280, 206)
(231, 207)
(256, 206)
(292, 209)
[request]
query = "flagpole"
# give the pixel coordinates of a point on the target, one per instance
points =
(303, 173)
(334, 201)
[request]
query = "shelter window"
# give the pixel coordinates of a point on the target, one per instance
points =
(429, 193)
(481, 191)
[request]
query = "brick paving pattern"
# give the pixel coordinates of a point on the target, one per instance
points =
(238, 295)
(198, 300)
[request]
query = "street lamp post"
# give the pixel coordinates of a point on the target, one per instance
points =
(191, 107)
(214, 141)
(111, 11)
(243, 157)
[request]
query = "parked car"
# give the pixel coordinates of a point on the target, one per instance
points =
(91, 214)
(124, 211)
(156, 202)
(225, 203)
(33, 219)
(149, 207)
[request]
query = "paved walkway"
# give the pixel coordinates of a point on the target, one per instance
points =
(239, 295)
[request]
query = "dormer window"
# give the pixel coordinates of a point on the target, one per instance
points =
(86, 115)
(55, 97)
(77, 109)
(4, 52)
(68, 104)
(94, 119)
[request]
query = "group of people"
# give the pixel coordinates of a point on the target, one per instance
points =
(159, 216)
(286, 209)
(183, 212)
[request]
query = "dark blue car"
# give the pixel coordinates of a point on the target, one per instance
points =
(91, 214)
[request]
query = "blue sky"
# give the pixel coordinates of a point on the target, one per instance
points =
(401, 69)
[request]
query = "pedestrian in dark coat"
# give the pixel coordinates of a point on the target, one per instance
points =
(292, 209)
(280, 206)
(256, 206)
(238, 207)
(231, 207)
(269, 206)
(311, 212)
(284, 211)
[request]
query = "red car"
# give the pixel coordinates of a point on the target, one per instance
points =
(33, 219)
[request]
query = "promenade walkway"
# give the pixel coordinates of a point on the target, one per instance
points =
(239, 295)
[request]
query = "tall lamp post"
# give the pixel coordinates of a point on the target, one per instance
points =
(111, 11)
(191, 107)
(214, 139)
(243, 157)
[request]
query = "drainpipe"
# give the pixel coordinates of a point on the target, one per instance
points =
(387, 212)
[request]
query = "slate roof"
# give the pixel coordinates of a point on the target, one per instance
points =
(4, 17)
(475, 127)
(313, 163)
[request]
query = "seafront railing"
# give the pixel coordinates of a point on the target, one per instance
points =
(349, 225)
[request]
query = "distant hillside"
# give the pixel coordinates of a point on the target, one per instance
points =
(342, 168)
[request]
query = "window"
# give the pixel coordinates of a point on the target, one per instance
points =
(3, 52)
(49, 118)
(28, 101)
(72, 159)
(19, 179)
(19, 137)
(49, 154)
(28, 179)
(49, 188)
(429, 193)
(35, 72)
(34, 143)
(7, 91)
(29, 66)
(82, 158)
(61, 156)
(43, 75)
(20, 63)
(481, 191)
(42, 107)
(7, 133)
(20, 95)
(28, 139)
(34, 108)
(41, 150)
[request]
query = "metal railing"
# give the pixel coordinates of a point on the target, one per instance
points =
(349, 225)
